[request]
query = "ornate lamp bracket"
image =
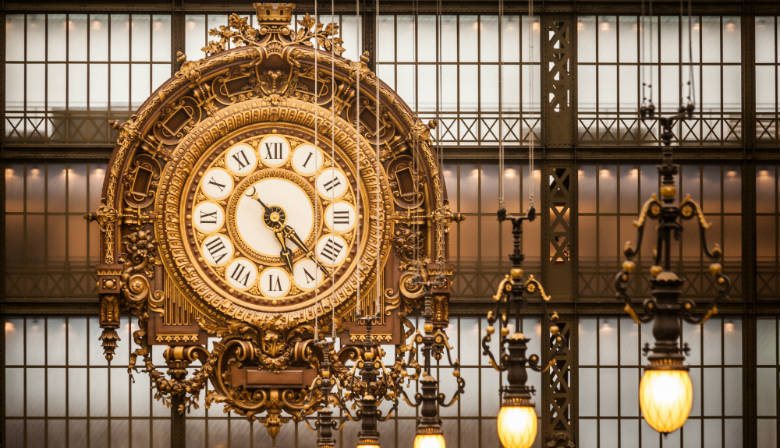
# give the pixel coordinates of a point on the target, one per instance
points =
(511, 297)
(665, 305)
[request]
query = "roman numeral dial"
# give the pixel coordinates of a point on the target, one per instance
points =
(340, 217)
(275, 282)
(241, 274)
(274, 151)
(331, 250)
(217, 249)
(307, 159)
(241, 159)
(331, 183)
(275, 219)
(208, 217)
(217, 184)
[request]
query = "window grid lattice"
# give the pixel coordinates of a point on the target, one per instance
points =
(610, 198)
(75, 72)
(611, 368)
(615, 59)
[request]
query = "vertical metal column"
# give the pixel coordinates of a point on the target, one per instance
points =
(558, 213)
(749, 391)
(368, 31)
(178, 421)
(2, 220)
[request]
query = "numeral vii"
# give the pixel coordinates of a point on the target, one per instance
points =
(240, 274)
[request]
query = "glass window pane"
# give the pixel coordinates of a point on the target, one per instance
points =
(426, 38)
(469, 88)
(765, 39)
(385, 38)
(468, 38)
(510, 39)
(161, 38)
(628, 38)
(120, 82)
(98, 37)
(670, 38)
(120, 37)
(14, 88)
(141, 80)
(77, 86)
(711, 35)
(195, 36)
(57, 41)
(14, 33)
(140, 41)
(586, 37)
(36, 37)
(489, 88)
(531, 39)
(488, 38)
(449, 38)
(405, 38)
(732, 48)
(607, 38)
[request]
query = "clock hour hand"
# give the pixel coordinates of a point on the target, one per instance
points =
(257, 198)
(290, 233)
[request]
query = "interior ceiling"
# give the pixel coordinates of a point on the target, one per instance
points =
(421, 6)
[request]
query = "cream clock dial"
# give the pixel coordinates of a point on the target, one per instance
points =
(274, 218)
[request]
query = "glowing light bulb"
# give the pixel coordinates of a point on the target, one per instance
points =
(517, 426)
(665, 397)
(368, 443)
(429, 441)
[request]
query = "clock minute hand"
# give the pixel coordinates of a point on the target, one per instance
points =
(290, 233)
(286, 254)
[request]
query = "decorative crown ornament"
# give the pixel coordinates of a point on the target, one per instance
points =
(275, 15)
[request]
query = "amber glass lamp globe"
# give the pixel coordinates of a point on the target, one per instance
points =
(368, 445)
(517, 426)
(429, 441)
(665, 397)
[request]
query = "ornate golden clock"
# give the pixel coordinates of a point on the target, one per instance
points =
(255, 197)
(268, 222)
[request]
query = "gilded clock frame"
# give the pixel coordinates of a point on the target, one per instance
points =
(176, 254)
(267, 77)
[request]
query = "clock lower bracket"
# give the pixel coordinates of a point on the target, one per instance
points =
(254, 378)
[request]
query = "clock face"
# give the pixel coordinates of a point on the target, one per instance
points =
(273, 220)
